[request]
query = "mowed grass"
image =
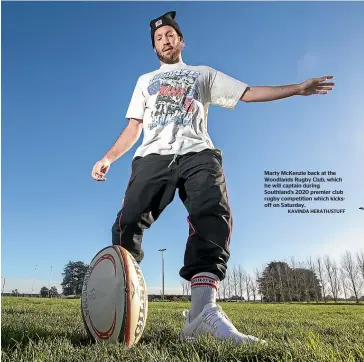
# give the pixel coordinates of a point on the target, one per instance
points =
(52, 330)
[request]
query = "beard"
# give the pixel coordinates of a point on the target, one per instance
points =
(171, 57)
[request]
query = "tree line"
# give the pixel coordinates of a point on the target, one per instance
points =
(44, 292)
(314, 280)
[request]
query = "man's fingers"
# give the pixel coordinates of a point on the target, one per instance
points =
(326, 77)
(320, 92)
(324, 88)
(99, 170)
(322, 85)
(95, 169)
(330, 84)
(94, 173)
(97, 174)
(99, 177)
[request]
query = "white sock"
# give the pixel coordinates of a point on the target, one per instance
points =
(203, 291)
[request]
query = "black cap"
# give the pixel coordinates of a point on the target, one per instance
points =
(166, 19)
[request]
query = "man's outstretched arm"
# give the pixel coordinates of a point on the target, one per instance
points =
(272, 93)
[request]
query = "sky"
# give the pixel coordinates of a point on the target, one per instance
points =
(68, 73)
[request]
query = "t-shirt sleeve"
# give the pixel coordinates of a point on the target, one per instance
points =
(225, 91)
(137, 103)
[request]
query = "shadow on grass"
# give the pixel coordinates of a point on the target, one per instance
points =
(206, 348)
(11, 338)
(160, 336)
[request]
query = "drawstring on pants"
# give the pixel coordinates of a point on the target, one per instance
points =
(174, 159)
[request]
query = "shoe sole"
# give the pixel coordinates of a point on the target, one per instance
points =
(186, 338)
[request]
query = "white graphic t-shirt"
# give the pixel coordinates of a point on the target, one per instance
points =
(173, 103)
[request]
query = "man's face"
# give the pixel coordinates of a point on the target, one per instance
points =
(167, 44)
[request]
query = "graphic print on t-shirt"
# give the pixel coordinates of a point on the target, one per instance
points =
(175, 103)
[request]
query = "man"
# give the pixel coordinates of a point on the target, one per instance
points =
(170, 105)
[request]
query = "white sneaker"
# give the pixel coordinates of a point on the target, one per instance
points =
(213, 320)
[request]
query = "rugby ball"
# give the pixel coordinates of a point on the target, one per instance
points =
(114, 301)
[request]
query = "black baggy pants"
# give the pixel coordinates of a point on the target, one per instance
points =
(200, 179)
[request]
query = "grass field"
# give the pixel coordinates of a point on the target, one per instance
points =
(52, 330)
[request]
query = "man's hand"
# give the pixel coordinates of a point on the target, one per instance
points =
(100, 169)
(316, 86)
(273, 93)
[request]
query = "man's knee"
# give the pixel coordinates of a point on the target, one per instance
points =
(125, 218)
